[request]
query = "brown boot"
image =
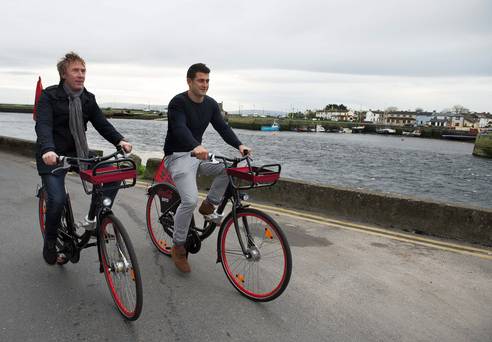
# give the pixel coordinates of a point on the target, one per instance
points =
(178, 254)
(206, 208)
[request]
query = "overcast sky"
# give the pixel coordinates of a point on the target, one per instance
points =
(264, 54)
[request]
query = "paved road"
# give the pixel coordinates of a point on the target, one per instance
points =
(346, 285)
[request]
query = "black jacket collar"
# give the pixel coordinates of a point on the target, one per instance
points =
(62, 94)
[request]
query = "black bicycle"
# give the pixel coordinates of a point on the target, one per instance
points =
(253, 250)
(117, 258)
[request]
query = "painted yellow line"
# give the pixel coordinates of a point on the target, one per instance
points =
(463, 249)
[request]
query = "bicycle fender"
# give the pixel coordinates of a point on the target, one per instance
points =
(222, 227)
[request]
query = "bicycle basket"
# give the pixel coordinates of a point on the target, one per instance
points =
(114, 171)
(247, 177)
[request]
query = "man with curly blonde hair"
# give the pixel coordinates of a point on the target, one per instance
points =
(63, 111)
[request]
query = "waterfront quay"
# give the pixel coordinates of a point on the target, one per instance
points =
(349, 282)
(443, 220)
(426, 169)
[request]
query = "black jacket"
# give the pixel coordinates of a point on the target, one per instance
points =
(52, 124)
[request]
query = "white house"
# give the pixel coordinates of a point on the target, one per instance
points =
(372, 117)
(485, 120)
(336, 116)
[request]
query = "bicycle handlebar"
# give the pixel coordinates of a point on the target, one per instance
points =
(213, 158)
(68, 162)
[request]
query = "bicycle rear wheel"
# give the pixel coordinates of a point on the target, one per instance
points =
(161, 206)
(42, 195)
(120, 267)
(264, 272)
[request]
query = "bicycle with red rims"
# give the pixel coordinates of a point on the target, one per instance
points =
(117, 258)
(251, 246)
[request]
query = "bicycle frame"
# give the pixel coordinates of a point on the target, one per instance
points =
(232, 194)
(79, 243)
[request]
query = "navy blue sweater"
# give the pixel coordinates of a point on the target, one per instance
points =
(188, 120)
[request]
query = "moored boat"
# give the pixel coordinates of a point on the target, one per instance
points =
(358, 129)
(386, 131)
(272, 128)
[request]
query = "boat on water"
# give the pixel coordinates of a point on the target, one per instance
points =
(274, 127)
(333, 129)
(415, 133)
(386, 131)
(358, 129)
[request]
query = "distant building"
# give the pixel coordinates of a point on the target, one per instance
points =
(329, 115)
(439, 121)
(375, 117)
(423, 118)
(484, 120)
(400, 118)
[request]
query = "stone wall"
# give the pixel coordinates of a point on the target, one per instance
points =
(388, 211)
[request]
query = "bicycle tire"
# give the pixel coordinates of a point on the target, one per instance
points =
(120, 267)
(60, 240)
(42, 195)
(271, 260)
(161, 206)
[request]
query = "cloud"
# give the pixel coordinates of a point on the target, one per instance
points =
(315, 38)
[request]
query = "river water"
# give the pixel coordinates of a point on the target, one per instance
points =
(438, 170)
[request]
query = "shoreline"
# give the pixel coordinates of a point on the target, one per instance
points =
(255, 124)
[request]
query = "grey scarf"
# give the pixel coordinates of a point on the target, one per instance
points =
(76, 121)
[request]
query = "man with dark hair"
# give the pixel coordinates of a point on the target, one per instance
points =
(189, 114)
(62, 114)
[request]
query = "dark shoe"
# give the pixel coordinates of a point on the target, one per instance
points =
(178, 255)
(206, 208)
(49, 251)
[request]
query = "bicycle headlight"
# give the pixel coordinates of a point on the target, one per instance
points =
(107, 202)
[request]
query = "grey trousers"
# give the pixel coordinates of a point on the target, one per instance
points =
(184, 169)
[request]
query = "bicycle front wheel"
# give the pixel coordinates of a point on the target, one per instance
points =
(120, 267)
(263, 272)
(161, 206)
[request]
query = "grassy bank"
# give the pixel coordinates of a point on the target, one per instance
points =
(116, 113)
(15, 108)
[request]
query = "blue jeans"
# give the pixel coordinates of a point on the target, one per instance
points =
(56, 197)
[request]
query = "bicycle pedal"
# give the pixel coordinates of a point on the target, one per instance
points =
(215, 217)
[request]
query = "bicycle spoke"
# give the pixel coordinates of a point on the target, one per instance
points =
(121, 271)
(158, 216)
(266, 274)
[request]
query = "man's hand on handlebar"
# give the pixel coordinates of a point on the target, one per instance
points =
(245, 150)
(50, 158)
(126, 146)
(200, 152)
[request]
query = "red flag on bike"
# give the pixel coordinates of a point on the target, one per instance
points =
(39, 89)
